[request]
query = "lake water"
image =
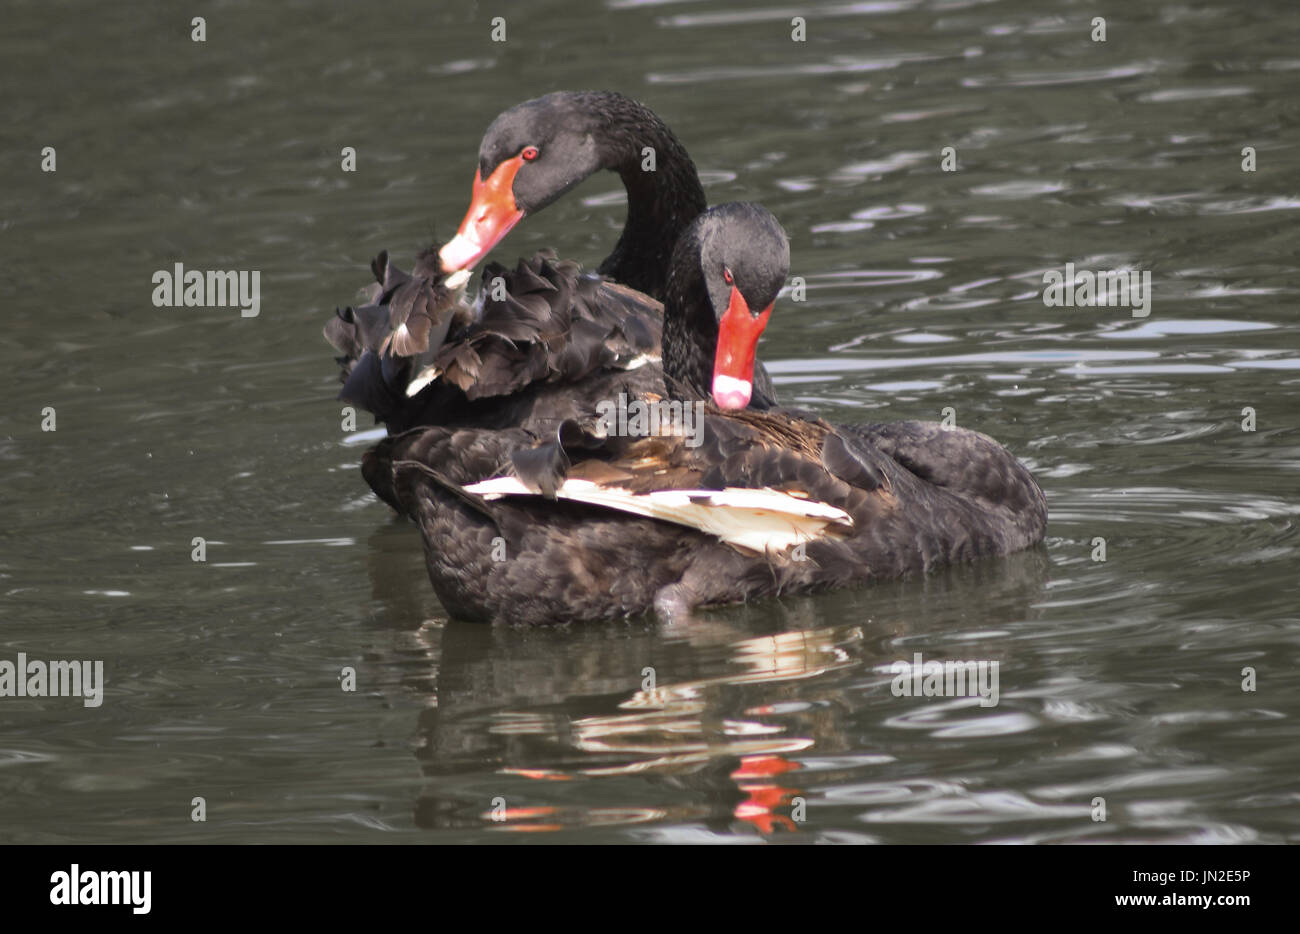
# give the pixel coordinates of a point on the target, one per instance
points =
(1119, 679)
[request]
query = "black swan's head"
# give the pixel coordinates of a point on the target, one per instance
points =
(724, 277)
(537, 151)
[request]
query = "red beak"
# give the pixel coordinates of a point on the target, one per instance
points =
(492, 213)
(733, 363)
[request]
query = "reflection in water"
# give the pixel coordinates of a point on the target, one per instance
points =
(398, 579)
(702, 722)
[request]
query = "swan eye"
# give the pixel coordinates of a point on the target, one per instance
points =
(728, 277)
(529, 154)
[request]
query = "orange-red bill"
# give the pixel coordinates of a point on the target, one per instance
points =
(733, 363)
(491, 215)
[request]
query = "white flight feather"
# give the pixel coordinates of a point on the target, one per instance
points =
(756, 520)
(640, 360)
(427, 376)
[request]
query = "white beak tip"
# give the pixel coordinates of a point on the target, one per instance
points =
(731, 393)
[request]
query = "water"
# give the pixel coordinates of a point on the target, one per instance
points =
(1119, 679)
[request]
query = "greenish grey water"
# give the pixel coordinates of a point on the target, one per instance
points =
(1119, 679)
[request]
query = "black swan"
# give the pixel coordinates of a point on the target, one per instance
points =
(544, 341)
(583, 526)
(537, 151)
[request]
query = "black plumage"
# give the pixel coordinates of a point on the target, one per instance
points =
(914, 495)
(544, 341)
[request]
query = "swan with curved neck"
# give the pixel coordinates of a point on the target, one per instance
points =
(553, 341)
(602, 526)
(535, 152)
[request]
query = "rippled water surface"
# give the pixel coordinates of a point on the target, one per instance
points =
(1120, 679)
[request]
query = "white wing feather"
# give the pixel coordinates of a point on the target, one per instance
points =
(756, 520)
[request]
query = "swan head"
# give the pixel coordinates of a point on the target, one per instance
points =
(530, 155)
(744, 257)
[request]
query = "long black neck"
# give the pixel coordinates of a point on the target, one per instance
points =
(661, 202)
(690, 336)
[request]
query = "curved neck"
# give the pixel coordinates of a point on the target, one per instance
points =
(661, 200)
(690, 335)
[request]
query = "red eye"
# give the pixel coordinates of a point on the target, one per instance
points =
(727, 276)
(529, 154)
